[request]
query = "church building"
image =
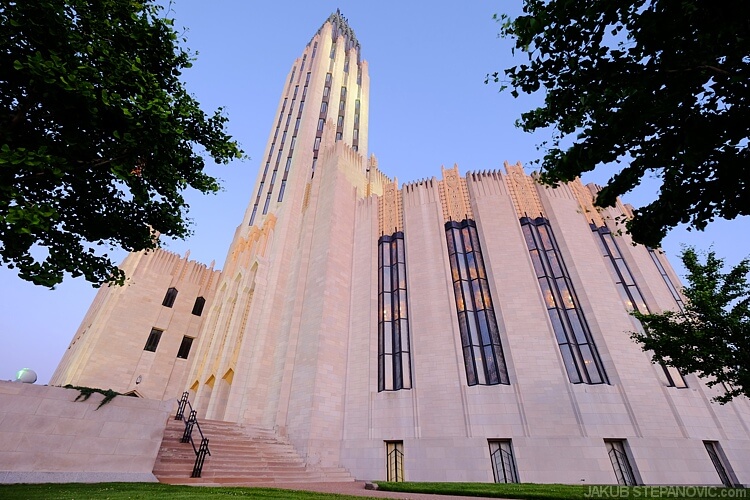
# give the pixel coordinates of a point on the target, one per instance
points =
(467, 327)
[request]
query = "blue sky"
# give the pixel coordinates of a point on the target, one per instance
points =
(428, 107)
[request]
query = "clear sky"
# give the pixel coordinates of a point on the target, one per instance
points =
(428, 107)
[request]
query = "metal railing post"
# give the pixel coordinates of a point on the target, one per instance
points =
(187, 436)
(189, 427)
(181, 406)
(200, 457)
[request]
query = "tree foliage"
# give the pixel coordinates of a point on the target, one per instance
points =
(661, 86)
(711, 337)
(98, 135)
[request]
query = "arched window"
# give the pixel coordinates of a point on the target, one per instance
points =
(198, 306)
(480, 332)
(394, 359)
(169, 297)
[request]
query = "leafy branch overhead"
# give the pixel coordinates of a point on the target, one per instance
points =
(98, 136)
(659, 87)
(711, 337)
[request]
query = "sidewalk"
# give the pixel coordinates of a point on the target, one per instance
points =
(355, 488)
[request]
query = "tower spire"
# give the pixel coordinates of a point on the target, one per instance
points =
(341, 28)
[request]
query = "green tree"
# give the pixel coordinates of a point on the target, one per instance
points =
(711, 337)
(659, 86)
(98, 136)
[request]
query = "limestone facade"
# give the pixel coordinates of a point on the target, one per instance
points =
(108, 350)
(443, 353)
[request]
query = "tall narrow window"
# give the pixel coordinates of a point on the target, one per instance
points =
(268, 161)
(620, 462)
(153, 340)
(394, 358)
(355, 134)
(503, 464)
(629, 291)
(667, 280)
(198, 306)
(394, 461)
(184, 350)
(713, 452)
(169, 297)
(573, 336)
(480, 333)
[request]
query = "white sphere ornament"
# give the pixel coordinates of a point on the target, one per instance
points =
(26, 376)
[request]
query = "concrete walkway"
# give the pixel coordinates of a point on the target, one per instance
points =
(355, 488)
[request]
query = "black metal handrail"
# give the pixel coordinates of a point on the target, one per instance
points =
(187, 437)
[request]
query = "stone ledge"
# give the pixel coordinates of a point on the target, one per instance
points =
(13, 477)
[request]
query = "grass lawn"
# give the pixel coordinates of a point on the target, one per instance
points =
(497, 490)
(566, 491)
(130, 491)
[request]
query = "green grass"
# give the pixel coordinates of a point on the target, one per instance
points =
(565, 491)
(523, 490)
(131, 491)
(156, 491)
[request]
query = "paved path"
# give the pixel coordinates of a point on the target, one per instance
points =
(354, 488)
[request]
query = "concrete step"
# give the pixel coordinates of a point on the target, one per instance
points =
(237, 481)
(236, 466)
(240, 454)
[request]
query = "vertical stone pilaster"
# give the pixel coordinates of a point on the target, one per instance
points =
(454, 195)
(586, 201)
(390, 209)
(523, 192)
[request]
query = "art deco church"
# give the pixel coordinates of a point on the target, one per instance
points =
(463, 328)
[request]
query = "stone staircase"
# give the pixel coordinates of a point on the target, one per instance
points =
(240, 454)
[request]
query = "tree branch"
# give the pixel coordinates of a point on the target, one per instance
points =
(703, 66)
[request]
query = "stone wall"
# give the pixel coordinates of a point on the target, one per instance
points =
(46, 436)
